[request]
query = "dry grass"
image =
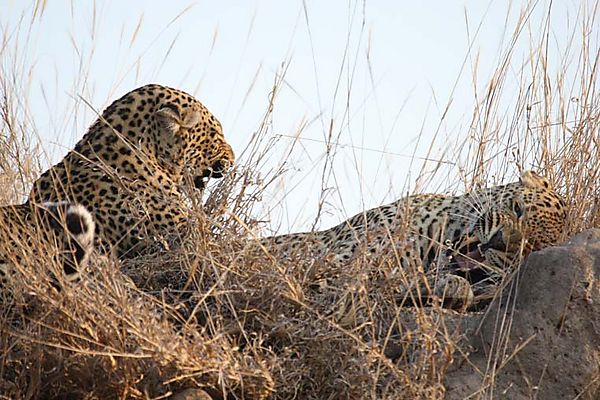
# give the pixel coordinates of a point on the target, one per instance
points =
(217, 314)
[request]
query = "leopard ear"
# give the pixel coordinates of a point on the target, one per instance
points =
(174, 119)
(531, 179)
(191, 117)
(168, 116)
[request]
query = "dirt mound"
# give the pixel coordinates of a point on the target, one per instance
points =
(542, 340)
(211, 321)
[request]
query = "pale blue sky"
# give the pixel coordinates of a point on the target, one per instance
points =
(395, 64)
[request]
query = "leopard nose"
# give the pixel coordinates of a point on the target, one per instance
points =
(220, 168)
(217, 170)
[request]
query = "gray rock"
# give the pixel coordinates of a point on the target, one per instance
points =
(542, 340)
(191, 394)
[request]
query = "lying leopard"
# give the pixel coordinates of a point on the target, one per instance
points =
(62, 233)
(467, 240)
(129, 168)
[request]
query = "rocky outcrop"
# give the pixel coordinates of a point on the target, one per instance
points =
(542, 339)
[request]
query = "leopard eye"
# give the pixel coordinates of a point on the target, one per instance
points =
(517, 209)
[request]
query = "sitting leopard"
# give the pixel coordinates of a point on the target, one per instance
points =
(129, 168)
(466, 240)
(62, 232)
